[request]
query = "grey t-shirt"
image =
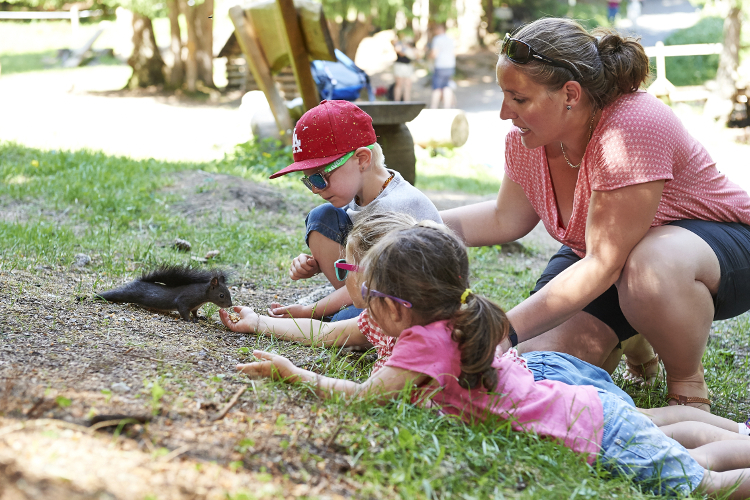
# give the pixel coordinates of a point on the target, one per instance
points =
(398, 196)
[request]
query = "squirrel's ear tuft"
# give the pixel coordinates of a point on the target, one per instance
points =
(214, 281)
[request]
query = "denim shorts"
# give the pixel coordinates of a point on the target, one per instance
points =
(546, 365)
(634, 446)
(441, 77)
(331, 222)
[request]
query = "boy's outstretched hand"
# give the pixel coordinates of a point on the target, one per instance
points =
(290, 311)
(269, 366)
(304, 266)
(247, 322)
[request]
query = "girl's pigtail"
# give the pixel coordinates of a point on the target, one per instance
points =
(478, 327)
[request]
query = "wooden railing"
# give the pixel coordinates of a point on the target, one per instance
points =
(74, 15)
(661, 86)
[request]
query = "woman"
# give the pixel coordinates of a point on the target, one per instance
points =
(655, 237)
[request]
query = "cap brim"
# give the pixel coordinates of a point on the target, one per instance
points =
(307, 164)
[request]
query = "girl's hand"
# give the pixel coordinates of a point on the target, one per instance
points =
(290, 311)
(303, 266)
(249, 319)
(269, 366)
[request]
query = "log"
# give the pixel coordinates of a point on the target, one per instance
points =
(440, 128)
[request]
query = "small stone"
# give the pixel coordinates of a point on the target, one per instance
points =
(81, 260)
(121, 387)
(212, 254)
(181, 245)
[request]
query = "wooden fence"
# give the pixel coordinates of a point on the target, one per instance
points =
(661, 86)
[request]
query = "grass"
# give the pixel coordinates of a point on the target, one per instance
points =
(114, 209)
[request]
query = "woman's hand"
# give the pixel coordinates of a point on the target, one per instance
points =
(247, 323)
(303, 267)
(269, 366)
(289, 311)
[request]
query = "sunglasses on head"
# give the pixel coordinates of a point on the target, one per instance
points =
(319, 180)
(366, 291)
(521, 53)
(341, 268)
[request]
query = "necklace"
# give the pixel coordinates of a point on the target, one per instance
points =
(591, 130)
(385, 185)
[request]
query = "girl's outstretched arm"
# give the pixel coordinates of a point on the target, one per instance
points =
(304, 331)
(382, 386)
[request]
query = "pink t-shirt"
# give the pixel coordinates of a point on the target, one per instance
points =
(382, 342)
(568, 413)
(638, 139)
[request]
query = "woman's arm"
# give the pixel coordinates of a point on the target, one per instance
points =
(382, 386)
(508, 218)
(304, 331)
(617, 221)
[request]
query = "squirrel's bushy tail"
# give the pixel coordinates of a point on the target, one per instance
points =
(180, 275)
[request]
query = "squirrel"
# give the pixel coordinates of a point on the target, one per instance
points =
(169, 288)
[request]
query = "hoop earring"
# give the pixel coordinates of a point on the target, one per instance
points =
(569, 108)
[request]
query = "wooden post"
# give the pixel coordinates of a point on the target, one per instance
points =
(74, 19)
(298, 54)
(258, 65)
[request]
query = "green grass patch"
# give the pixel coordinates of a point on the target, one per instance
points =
(59, 203)
(694, 70)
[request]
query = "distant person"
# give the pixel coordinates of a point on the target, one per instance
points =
(403, 68)
(335, 147)
(443, 52)
(613, 7)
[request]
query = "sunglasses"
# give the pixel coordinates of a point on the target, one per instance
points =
(341, 268)
(366, 291)
(521, 53)
(319, 180)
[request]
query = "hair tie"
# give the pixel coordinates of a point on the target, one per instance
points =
(464, 295)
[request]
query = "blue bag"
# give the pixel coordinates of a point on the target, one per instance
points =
(340, 80)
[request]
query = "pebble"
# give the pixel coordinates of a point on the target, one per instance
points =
(120, 387)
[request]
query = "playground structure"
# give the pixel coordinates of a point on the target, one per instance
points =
(274, 34)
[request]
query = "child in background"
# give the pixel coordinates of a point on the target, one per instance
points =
(336, 148)
(416, 287)
(359, 331)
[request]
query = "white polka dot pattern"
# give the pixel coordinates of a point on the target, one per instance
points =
(638, 139)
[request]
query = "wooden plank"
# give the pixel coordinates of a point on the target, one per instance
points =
(298, 54)
(76, 58)
(261, 72)
(696, 49)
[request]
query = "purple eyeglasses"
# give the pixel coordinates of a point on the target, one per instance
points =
(366, 291)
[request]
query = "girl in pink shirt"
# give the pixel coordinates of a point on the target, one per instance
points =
(416, 287)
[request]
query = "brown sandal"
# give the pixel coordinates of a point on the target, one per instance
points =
(686, 400)
(639, 370)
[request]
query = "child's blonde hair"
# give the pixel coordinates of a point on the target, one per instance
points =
(378, 158)
(371, 226)
(428, 266)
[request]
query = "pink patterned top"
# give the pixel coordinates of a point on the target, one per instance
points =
(637, 140)
(571, 414)
(382, 342)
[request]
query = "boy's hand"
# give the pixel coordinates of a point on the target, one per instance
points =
(247, 322)
(304, 266)
(270, 365)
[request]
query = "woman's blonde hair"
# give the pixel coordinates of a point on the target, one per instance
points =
(605, 63)
(428, 266)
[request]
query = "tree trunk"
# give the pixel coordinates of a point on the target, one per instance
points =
(729, 60)
(721, 104)
(177, 73)
(204, 25)
(352, 33)
(191, 63)
(146, 61)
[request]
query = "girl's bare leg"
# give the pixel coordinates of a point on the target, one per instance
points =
(665, 292)
(720, 482)
(693, 435)
(674, 414)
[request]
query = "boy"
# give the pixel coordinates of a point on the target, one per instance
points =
(335, 147)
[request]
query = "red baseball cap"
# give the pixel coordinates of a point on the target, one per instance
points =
(326, 133)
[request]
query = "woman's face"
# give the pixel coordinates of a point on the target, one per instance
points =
(532, 107)
(354, 281)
